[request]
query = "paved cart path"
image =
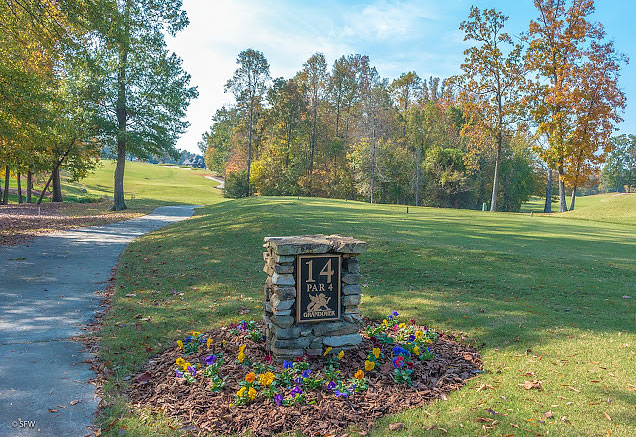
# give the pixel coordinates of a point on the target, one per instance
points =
(47, 293)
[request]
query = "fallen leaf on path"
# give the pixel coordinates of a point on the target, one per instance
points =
(52, 410)
(75, 401)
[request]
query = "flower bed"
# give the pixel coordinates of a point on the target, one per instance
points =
(223, 382)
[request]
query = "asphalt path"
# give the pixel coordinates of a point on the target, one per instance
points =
(48, 291)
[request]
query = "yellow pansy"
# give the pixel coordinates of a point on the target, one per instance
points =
(402, 325)
(327, 351)
(369, 365)
(251, 393)
(340, 355)
(266, 379)
(241, 357)
(428, 341)
(376, 352)
(359, 374)
(195, 333)
(208, 343)
(180, 344)
(419, 334)
(180, 362)
(186, 365)
(241, 392)
(242, 348)
(416, 350)
(224, 342)
(385, 323)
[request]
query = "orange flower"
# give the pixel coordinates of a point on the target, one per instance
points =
(250, 377)
(359, 374)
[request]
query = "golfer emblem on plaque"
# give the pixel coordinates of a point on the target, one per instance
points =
(318, 287)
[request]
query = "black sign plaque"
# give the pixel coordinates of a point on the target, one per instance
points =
(318, 288)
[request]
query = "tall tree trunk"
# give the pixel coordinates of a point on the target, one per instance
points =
(573, 198)
(5, 196)
(57, 186)
(122, 116)
(249, 148)
(29, 186)
(563, 207)
(548, 194)
(495, 182)
(55, 170)
(373, 166)
(19, 188)
(418, 152)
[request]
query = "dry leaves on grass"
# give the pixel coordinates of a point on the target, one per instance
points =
(19, 223)
(534, 384)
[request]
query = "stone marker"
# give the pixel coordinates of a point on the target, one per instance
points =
(311, 294)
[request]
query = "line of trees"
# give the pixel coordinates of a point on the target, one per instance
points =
(543, 104)
(83, 75)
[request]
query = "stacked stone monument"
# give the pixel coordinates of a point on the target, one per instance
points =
(291, 331)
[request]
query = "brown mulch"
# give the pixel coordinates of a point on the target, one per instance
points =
(21, 222)
(206, 412)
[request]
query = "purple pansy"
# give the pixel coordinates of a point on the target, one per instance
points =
(288, 364)
(341, 393)
(210, 359)
(306, 373)
(192, 370)
(179, 374)
(278, 399)
(331, 385)
(296, 391)
(395, 314)
(411, 337)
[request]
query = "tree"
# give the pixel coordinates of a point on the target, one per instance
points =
(216, 144)
(493, 75)
(620, 166)
(562, 47)
(314, 76)
(597, 101)
(147, 91)
(248, 85)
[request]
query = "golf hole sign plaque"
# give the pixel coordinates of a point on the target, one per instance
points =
(312, 294)
(318, 288)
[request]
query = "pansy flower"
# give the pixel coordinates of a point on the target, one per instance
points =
(208, 342)
(278, 399)
(416, 350)
(251, 393)
(327, 351)
(179, 374)
(411, 338)
(192, 371)
(250, 377)
(395, 313)
(180, 344)
(296, 391)
(306, 373)
(210, 359)
(267, 358)
(331, 385)
(359, 374)
(369, 365)
(341, 355)
(341, 393)
(288, 364)
(412, 321)
(376, 352)
(398, 362)
(298, 380)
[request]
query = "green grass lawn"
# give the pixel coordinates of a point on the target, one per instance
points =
(540, 296)
(146, 186)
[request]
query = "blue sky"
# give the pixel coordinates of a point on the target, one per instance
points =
(398, 36)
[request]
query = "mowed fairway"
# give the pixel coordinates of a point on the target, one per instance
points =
(147, 186)
(542, 297)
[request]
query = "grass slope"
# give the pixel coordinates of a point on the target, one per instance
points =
(541, 296)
